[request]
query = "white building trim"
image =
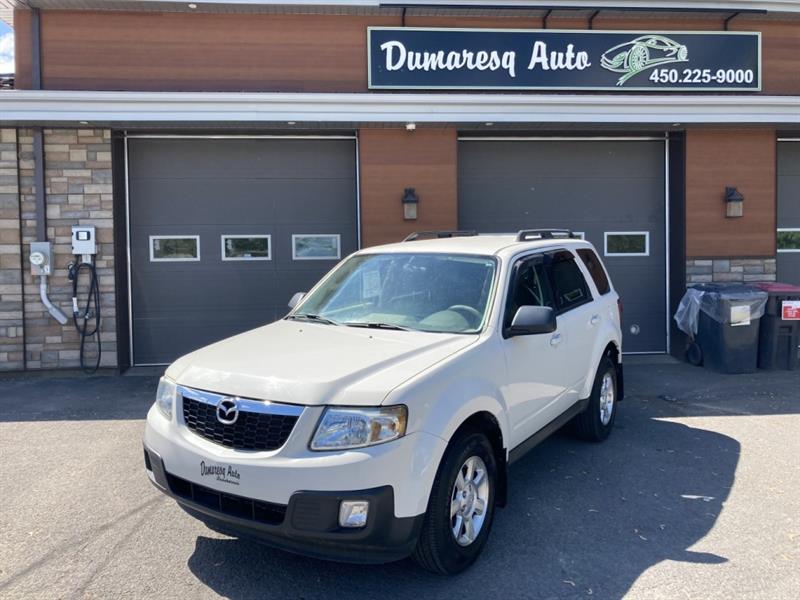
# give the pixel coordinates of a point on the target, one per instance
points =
(723, 5)
(731, 5)
(62, 107)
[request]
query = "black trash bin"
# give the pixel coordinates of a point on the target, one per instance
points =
(727, 327)
(779, 332)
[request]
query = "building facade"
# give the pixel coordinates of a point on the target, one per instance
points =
(229, 154)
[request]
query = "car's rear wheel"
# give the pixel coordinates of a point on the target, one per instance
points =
(461, 507)
(595, 423)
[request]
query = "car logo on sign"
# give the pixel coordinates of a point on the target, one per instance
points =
(227, 411)
(645, 52)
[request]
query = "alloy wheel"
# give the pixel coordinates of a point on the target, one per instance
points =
(469, 501)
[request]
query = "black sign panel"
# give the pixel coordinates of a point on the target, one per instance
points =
(423, 58)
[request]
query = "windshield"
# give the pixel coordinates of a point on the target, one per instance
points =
(426, 292)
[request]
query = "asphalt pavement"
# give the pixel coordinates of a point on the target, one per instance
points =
(695, 495)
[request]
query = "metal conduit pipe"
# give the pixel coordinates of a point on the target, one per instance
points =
(51, 308)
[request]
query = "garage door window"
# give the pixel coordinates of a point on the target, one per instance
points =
(789, 239)
(627, 243)
(174, 248)
(316, 246)
(246, 247)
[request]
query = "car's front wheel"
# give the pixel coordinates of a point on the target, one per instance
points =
(461, 507)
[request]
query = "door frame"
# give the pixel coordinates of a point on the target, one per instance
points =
(665, 138)
(780, 140)
(127, 295)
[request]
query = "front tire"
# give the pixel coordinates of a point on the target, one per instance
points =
(595, 423)
(461, 507)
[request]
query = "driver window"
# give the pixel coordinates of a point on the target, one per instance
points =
(529, 287)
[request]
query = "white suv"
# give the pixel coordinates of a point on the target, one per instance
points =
(378, 419)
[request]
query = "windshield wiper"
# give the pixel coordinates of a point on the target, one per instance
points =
(375, 325)
(313, 318)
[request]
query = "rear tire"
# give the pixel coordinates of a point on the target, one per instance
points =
(595, 423)
(638, 57)
(439, 549)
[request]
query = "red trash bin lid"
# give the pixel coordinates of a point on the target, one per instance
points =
(776, 287)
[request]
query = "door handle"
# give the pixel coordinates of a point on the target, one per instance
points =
(594, 320)
(555, 340)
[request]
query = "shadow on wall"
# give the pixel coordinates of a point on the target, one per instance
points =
(582, 520)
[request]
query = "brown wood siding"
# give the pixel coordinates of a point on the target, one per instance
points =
(115, 50)
(476, 22)
(745, 159)
(566, 22)
(205, 52)
(394, 159)
(706, 23)
(780, 49)
(22, 49)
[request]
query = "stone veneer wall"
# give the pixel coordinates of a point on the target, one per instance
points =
(79, 191)
(733, 270)
(11, 324)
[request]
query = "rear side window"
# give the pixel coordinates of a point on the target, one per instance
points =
(595, 269)
(569, 286)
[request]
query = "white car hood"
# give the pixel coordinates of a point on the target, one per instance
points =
(314, 364)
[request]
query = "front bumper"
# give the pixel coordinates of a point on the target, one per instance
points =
(307, 525)
(408, 464)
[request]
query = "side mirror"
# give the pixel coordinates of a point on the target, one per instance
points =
(532, 320)
(296, 299)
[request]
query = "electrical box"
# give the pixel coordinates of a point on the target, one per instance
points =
(83, 240)
(41, 258)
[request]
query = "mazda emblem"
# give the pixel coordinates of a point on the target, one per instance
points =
(227, 411)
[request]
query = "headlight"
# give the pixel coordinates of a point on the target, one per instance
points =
(343, 428)
(165, 396)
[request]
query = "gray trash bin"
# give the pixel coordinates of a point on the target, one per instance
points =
(723, 322)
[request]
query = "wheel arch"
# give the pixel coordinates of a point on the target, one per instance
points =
(613, 351)
(486, 423)
(610, 349)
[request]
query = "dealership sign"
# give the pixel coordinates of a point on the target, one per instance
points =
(424, 58)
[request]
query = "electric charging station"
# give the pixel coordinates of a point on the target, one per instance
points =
(87, 319)
(84, 248)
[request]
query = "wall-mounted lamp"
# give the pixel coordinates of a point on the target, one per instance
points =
(410, 202)
(734, 202)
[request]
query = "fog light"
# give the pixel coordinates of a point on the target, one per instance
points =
(353, 513)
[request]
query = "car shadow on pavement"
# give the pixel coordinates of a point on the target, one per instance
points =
(582, 520)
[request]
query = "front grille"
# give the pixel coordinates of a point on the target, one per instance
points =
(251, 431)
(235, 506)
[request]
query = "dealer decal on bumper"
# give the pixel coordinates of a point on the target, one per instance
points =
(225, 474)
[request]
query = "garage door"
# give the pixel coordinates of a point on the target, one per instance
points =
(610, 191)
(789, 211)
(224, 231)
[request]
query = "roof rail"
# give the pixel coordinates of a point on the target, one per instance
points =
(543, 234)
(418, 235)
